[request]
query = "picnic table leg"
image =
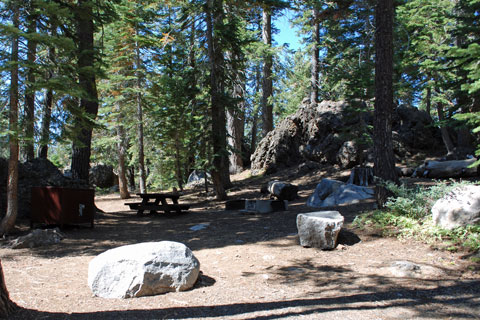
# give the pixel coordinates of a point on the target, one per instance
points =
(165, 205)
(175, 201)
(140, 211)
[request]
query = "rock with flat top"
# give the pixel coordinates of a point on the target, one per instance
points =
(319, 229)
(143, 269)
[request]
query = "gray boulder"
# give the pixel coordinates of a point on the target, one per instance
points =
(143, 269)
(333, 193)
(197, 179)
(319, 229)
(460, 207)
(37, 238)
(102, 176)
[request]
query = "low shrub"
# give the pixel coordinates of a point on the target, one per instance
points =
(407, 215)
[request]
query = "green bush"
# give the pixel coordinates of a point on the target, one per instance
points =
(408, 214)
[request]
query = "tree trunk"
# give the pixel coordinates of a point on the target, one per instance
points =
(214, 17)
(384, 160)
(444, 130)
(29, 151)
(81, 147)
(236, 123)
(428, 101)
(255, 111)
(315, 56)
(7, 306)
(8, 222)
(122, 152)
(267, 107)
(141, 152)
(178, 165)
(48, 105)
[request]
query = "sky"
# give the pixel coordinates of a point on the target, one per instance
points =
(287, 34)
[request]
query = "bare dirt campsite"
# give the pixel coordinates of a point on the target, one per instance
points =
(252, 267)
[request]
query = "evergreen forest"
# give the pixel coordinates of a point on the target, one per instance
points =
(160, 88)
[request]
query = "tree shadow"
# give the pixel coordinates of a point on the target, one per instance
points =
(441, 302)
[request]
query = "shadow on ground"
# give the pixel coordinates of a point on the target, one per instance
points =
(442, 302)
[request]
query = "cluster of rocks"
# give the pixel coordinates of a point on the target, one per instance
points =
(337, 133)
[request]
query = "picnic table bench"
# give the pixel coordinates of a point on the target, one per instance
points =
(155, 202)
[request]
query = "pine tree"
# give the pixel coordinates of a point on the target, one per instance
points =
(384, 161)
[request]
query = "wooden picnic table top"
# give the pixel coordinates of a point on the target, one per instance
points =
(158, 195)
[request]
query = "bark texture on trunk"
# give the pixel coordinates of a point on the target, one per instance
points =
(81, 147)
(7, 306)
(384, 160)
(447, 141)
(214, 17)
(236, 125)
(267, 107)
(8, 222)
(122, 154)
(315, 56)
(141, 153)
(48, 105)
(29, 151)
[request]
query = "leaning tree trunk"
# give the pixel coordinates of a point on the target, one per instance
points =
(81, 147)
(8, 221)
(7, 306)
(384, 160)
(267, 107)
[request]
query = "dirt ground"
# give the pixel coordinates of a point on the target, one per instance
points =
(252, 267)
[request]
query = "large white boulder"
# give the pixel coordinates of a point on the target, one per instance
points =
(333, 193)
(319, 229)
(143, 269)
(457, 208)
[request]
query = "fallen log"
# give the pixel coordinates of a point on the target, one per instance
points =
(447, 169)
(281, 190)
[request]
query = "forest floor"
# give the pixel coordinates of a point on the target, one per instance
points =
(252, 267)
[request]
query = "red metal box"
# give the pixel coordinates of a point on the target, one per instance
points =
(61, 206)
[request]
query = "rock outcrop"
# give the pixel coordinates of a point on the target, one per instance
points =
(337, 133)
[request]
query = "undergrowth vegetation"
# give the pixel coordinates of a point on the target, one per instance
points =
(408, 215)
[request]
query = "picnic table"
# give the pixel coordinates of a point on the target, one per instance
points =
(158, 202)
